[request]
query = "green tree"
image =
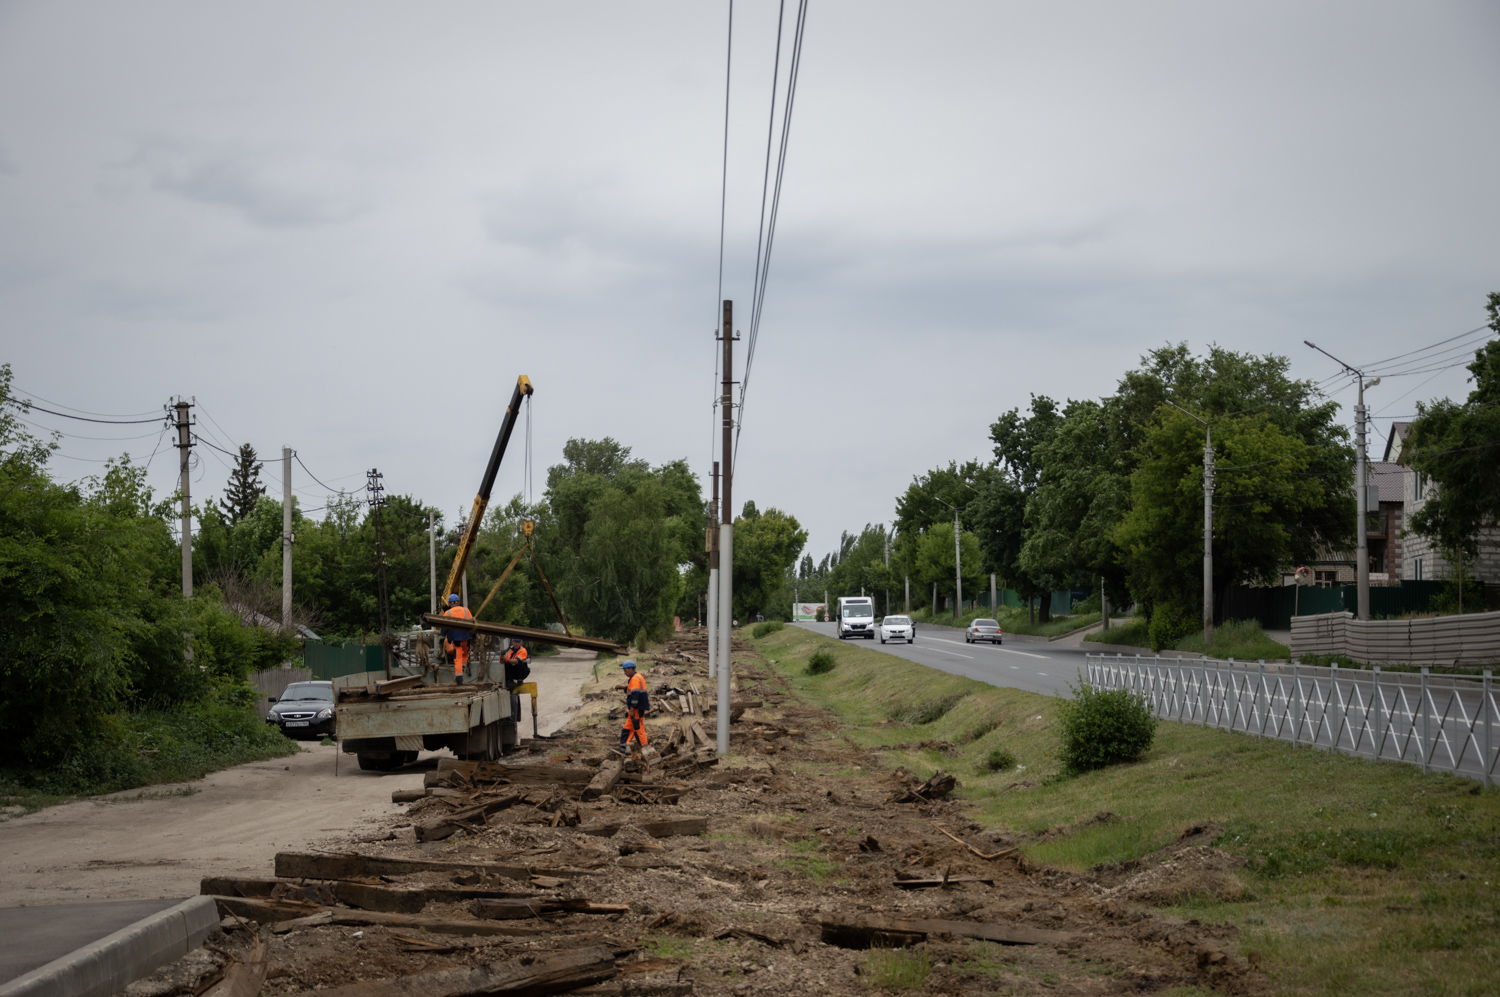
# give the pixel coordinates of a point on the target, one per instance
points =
(1263, 498)
(935, 559)
(766, 545)
(1021, 447)
(244, 487)
(1457, 446)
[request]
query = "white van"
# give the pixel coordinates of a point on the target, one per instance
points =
(856, 617)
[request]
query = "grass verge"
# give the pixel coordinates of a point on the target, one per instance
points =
(1362, 877)
(153, 746)
(1243, 640)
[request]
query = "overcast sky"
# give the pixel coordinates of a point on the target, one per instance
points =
(347, 227)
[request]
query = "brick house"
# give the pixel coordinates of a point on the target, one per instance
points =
(1415, 557)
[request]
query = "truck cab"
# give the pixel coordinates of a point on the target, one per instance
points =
(856, 617)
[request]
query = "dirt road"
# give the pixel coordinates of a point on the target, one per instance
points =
(160, 841)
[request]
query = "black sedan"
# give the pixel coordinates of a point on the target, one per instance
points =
(305, 710)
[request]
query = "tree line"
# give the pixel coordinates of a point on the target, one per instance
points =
(1091, 492)
(93, 618)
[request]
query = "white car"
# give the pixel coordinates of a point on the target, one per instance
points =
(897, 628)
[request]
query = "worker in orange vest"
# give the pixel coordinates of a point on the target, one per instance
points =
(637, 704)
(457, 641)
(517, 663)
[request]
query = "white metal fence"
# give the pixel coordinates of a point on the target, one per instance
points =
(1442, 723)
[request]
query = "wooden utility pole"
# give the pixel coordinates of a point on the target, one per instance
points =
(184, 446)
(726, 534)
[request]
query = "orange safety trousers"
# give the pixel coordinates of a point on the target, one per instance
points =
(460, 654)
(634, 729)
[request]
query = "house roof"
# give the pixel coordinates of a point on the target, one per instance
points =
(1394, 441)
(1387, 476)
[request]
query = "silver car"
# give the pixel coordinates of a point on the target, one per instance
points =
(897, 628)
(983, 630)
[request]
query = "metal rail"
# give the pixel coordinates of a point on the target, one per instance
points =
(1441, 723)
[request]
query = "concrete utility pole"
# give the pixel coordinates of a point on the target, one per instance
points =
(713, 578)
(934, 599)
(993, 607)
(286, 537)
(184, 445)
(726, 537)
(1103, 604)
(1361, 486)
(1208, 527)
(432, 561)
(907, 610)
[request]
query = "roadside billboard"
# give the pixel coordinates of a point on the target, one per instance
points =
(806, 611)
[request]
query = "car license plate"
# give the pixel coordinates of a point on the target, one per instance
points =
(298, 723)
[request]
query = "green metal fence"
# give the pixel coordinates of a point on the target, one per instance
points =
(331, 661)
(1274, 607)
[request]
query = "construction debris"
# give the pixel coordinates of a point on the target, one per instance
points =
(555, 973)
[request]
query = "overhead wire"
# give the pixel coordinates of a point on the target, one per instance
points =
(105, 415)
(81, 418)
(723, 203)
(763, 263)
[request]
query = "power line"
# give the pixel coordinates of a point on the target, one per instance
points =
(75, 436)
(763, 266)
(105, 415)
(1424, 349)
(312, 475)
(112, 422)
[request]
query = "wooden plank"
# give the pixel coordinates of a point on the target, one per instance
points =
(510, 910)
(286, 914)
(525, 633)
(657, 829)
(859, 931)
(553, 973)
(494, 772)
(389, 686)
(351, 865)
(243, 977)
(919, 884)
(447, 825)
(604, 780)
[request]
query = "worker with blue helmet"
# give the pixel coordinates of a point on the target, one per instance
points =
(637, 704)
(456, 642)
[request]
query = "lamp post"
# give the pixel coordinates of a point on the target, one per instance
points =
(1361, 489)
(1208, 527)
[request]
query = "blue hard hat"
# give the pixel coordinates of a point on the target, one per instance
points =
(627, 663)
(453, 597)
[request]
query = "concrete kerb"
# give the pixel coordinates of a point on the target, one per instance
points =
(110, 964)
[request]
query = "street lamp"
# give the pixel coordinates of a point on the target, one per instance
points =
(1361, 490)
(1208, 527)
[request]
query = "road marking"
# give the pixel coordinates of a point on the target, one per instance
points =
(996, 647)
(939, 650)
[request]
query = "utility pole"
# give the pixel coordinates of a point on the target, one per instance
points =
(993, 607)
(286, 538)
(377, 502)
(726, 535)
(907, 609)
(713, 578)
(1208, 527)
(432, 561)
(1361, 486)
(888, 574)
(958, 570)
(934, 599)
(184, 446)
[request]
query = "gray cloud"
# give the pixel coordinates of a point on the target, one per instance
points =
(271, 189)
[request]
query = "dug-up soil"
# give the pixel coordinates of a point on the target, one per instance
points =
(798, 873)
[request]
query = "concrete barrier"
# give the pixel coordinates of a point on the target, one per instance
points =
(112, 963)
(1471, 639)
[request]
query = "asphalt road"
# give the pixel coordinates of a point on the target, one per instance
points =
(1035, 666)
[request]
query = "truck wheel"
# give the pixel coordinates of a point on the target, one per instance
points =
(368, 763)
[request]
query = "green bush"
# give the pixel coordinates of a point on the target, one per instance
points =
(1101, 728)
(998, 760)
(821, 662)
(768, 627)
(1169, 624)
